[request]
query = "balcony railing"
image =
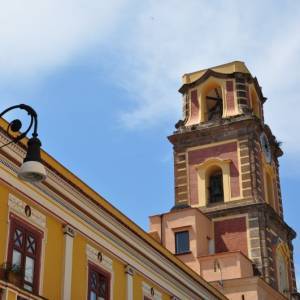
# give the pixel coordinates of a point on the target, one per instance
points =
(11, 282)
(17, 293)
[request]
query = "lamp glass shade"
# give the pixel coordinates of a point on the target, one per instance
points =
(32, 171)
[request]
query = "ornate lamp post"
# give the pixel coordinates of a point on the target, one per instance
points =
(32, 169)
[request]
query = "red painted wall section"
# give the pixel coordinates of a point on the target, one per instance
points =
(229, 97)
(230, 235)
(224, 151)
(194, 119)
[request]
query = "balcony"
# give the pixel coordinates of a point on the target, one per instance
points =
(12, 292)
(225, 265)
(11, 282)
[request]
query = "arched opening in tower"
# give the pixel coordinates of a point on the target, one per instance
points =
(214, 104)
(215, 185)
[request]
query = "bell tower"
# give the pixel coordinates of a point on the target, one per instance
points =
(228, 206)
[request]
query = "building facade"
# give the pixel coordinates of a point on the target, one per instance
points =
(227, 223)
(59, 239)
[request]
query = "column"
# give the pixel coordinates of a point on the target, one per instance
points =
(69, 234)
(129, 282)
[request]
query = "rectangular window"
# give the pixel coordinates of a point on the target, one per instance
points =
(24, 254)
(182, 242)
(99, 284)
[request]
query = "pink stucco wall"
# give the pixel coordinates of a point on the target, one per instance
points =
(191, 219)
(232, 265)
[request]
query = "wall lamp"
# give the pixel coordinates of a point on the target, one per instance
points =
(32, 169)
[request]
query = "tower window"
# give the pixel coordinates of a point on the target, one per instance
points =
(182, 242)
(216, 187)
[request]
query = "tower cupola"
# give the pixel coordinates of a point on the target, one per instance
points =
(225, 91)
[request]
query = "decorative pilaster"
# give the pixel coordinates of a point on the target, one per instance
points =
(69, 234)
(129, 282)
(241, 93)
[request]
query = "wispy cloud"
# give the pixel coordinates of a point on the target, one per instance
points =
(169, 38)
(40, 36)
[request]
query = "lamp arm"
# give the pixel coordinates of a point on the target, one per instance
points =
(16, 124)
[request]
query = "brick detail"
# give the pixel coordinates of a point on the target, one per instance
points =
(257, 172)
(230, 235)
(245, 169)
(181, 188)
(242, 93)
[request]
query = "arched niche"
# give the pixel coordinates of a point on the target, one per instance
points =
(206, 171)
(214, 184)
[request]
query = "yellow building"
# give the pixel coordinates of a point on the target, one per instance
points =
(61, 240)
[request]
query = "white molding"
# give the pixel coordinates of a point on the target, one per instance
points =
(129, 272)
(92, 255)
(104, 263)
(18, 206)
(68, 263)
(151, 292)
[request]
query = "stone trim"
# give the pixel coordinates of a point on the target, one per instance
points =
(151, 292)
(129, 272)
(103, 262)
(69, 234)
(21, 208)
(99, 258)
(180, 178)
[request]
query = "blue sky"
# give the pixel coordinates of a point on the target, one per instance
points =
(104, 76)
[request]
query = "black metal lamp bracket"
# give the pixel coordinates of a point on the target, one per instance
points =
(16, 125)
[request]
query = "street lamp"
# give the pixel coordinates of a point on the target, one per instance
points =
(32, 169)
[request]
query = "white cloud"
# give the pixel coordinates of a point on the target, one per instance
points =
(39, 36)
(172, 37)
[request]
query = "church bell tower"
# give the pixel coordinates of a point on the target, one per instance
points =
(227, 221)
